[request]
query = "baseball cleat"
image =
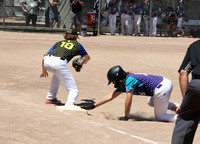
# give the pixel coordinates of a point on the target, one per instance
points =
(53, 101)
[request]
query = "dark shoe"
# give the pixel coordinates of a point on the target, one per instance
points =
(53, 101)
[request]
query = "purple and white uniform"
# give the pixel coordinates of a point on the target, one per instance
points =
(158, 89)
(138, 10)
(181, 16)
(154, 20)
(142, 84)
(126, 17)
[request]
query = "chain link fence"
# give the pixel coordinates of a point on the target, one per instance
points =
(166, 9)
(11, 14)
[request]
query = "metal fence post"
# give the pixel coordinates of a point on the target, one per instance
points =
(4, 12)
(99, 19)
(150, 30)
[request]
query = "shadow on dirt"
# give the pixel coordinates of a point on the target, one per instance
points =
(137, 117)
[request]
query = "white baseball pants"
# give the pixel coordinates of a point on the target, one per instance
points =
(160, 102)
(112, 22)
(154, 21)
(179, 25)
(61, 73)
(137, 22)
(124, 18)
(146, 25)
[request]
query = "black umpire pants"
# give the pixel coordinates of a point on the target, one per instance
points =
(189, 115)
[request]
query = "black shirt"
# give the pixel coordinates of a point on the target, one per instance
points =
(77, 7)
(191, 62)
(54, 8)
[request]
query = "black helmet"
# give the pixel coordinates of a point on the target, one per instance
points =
(116, 73)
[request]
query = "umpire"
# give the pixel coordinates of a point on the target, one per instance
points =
(189, 113)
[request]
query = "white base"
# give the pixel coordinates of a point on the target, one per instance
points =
(70, 108)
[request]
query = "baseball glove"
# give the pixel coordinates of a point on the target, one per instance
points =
(77, 64)
(89, 106)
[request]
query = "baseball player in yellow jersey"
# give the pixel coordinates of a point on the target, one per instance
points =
(55, 61)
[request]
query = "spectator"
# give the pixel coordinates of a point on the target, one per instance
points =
(47, 5)
(105, 8)
(113, 12)
(126, 19)
(154, 20)
(76, 13)
(54, 14)
(171, 25)
(169, 10)
(138, 10)
(181, 15)
(146, 18)
(189, 113)
(1, 2)
(31, 8)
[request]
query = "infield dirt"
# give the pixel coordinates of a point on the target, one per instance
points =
(26, 119)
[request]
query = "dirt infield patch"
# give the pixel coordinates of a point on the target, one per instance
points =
(25, 118)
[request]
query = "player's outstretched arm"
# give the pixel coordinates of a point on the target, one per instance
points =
(102, 101)
(107, 98)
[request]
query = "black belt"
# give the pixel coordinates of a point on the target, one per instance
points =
(195, 76)
(55, 56)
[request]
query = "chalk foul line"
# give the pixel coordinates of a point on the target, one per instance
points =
(121, 132)
(124, 133)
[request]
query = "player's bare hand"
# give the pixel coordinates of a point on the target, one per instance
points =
(177, 110)
(44, 74)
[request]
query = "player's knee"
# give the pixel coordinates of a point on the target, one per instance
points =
(160, 117)
(166, 117)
